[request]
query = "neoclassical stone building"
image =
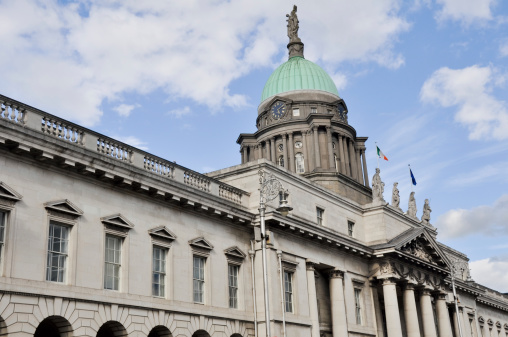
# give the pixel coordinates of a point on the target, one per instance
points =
(98, 238)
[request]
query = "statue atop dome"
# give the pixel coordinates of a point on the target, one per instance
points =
(295, 45)
(293, 26)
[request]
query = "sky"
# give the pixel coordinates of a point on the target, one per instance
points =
(425, 79)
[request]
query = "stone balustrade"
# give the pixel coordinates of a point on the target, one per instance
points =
(74, 135)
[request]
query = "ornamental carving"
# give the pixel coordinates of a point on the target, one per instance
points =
(416, 249)
(387, 268)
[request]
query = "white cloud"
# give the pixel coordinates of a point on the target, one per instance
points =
(178, 113)
(125, 110)
(57, 60)
(465, 11)
(503, 48)
(486, 220)
(133, 141)
(491, 272)
(470, 90)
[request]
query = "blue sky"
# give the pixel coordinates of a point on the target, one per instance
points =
(425, 79)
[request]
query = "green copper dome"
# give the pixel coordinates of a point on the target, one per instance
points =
(298, 74)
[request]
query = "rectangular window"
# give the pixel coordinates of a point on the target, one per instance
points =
(3, 220)
(350, 228)
(112, 262)
(199, 279)
(233, 285)
(320, 213)
(358, 306)
(313, 110)
(296, 112)
(58, 241)
(288, 291)
(159, 272)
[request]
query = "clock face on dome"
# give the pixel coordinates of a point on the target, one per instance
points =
(278, 109)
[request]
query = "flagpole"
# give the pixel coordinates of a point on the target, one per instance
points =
(377, 156)
(409, 168)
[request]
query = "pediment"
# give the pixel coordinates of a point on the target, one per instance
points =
(117, 220)
(201, 243)
(64, 206)
(8, 192)
(162, 232)
(235, 252)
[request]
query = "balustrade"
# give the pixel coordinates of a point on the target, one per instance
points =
(162, 167)
(230, 193)
(12, 113)
(60, 129)
(196, 180)
(114, 150)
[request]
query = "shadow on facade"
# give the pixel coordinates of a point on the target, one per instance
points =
(52, 326)
(160, 331)
(112, 329)
(201, 333)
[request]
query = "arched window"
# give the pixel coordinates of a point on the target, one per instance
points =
(300, 165)
(281, 161)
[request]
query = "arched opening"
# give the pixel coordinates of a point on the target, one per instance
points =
(160, 331)
(236, 335)
(201, 333)
(3, 327)
(112, 329)
(53, 326)
(300, 167)
(281, 161)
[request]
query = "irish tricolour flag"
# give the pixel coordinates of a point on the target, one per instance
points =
(380, 153)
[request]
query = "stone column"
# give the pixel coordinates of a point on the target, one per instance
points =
(352, 160)
(273, 150)
(242, 151)
(291, 148)
(341, 156)
(260, 150)
(338, 304)
(331, 158)
(365, 173)
(285, 150)
(306, 151)
(393, 325)
(410, 312)
(359, 166)
(443, 318)
(346, 157)
(316, 146)
(429, 328)
(267, 149)
(313, 307)
(377, 311)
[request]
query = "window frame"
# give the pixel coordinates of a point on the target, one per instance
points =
(280, 161)
(65, 255)
(235, 288)
(3, 236)
(296, 112)
(162, 284)
(320, 216)
(289, 304)
(351, 228)
(313, 110)
(119, 264)
(358, 296)
(201, 281)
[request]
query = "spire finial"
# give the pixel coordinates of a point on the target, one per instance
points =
(295, 45)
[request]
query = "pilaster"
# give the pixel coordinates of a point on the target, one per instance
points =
(338, 304)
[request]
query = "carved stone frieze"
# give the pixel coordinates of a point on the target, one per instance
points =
(416, 249)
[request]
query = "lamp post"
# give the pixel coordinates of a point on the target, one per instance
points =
(455, 266)
(269, 189)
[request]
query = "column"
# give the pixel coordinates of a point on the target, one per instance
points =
(267, 149)
(346, 157)
(338, 304)
(429, 328)
(313, 307)
(316, 147)
(307, 157)
(393, 325)
(359, 166)
(352, 160)
(285, 150)
(365, 174)
(456, 324)
(341, 154)
(260, 150)
(331, 158)
(377, 310)
(242, 151)
(443, 318)
(272, 150)
(291, 147)
(410, 313)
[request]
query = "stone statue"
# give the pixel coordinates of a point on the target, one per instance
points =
(378, 187)
(426, 213)
(396, 197)
(411, 209)
(293, 26)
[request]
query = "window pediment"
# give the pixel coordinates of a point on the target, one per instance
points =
(162, 233)
(8, 192)
(202, 243)
(235, 252)
(64, 206)
(117, 220)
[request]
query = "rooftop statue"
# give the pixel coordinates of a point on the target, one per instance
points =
(293, 26)
(378, 187)
(411, 209)
(396, 197)
(426, 213)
